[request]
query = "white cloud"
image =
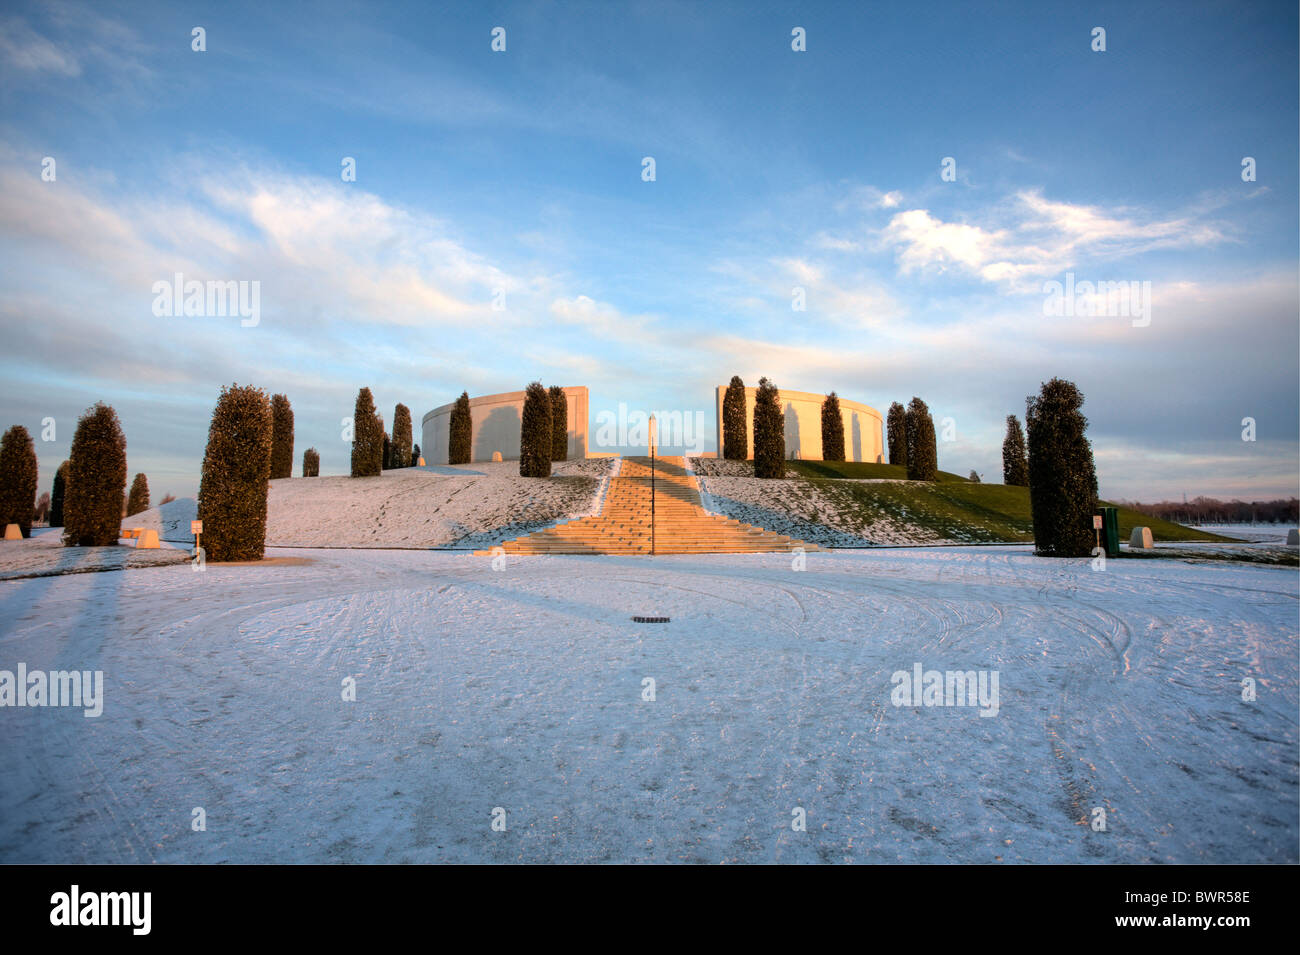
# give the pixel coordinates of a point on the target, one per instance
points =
(1033, 239)
(24, 49)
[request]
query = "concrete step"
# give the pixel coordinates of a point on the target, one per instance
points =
(676, 523)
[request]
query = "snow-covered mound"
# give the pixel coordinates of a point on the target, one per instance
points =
(436, 506)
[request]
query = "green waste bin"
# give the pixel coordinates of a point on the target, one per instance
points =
(1110, 530)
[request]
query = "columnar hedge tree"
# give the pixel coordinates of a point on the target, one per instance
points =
(367, 437)
(236, 468)
(462, 431)
(1015, 465)
(58, 494)
(311, 463)
(138, 499)
(18, 476)
(92, 503)
(559, 424)
(388, 453)
(769, 432)
(281, 437)
(535, 433)
(832, 429)
(401, 452)
(415, 455)
(735, 429)
(896, 427)
(922, 456)
(1062, 475)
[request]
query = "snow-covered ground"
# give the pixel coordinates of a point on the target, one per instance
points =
(1259, 533)
(523, 688)
(44, 554)
(470, 506)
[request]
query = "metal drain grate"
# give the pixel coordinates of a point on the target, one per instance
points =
(649, 619)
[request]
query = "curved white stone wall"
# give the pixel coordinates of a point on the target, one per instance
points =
(496, 427)
(863, 426)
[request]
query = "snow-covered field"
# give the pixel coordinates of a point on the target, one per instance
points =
(469, 506)
(1259, 533)
(523, 688)
(44, 554)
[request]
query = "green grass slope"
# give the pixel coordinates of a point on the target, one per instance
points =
(957, 509)
(859, 470)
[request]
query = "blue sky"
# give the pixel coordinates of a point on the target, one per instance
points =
(775, 169)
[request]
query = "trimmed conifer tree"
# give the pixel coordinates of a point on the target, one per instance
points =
(559, 424)
(234, 484)
(769, 432)
(922, 455)
(96, 484)
(1015, 464)
(535, 433)
(415, 455)
(138, 498)
(281, 437)
(461, 429)
(401, 450)
(367, 437)
(57, 495)
(311, 463)
(388, 453)
(832, 429)
(735, 430)
(18, 478)
(896, 427)
(1062, 474)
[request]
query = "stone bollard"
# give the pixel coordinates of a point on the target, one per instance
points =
(1141, 539)
(13, 532)
(1293, 537)
(147, 539)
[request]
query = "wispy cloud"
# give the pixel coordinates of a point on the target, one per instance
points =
(1031, 237)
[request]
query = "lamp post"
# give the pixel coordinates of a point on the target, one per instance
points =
(652, 485)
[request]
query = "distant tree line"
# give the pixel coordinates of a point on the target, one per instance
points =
(1210, 510)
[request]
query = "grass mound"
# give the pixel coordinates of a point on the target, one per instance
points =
(860, 470)
(956, 509)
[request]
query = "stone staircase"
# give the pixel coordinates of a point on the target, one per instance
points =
(680, 525)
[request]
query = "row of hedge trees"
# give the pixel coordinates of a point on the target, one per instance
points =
(89, 494)
(1057, 464)
(908, 427)
(910, 439)
(769, 427)
(543, 430)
